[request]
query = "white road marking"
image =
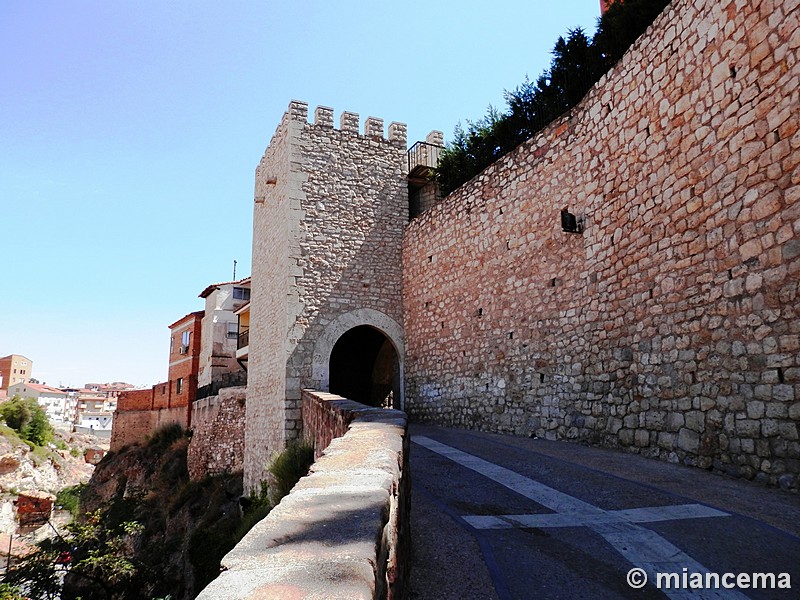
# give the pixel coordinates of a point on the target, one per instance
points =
(640, 546)
(631, 515)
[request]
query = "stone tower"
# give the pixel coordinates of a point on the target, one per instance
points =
(326, 305)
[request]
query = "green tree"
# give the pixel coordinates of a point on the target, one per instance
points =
(578, 63)
(25, 416)
(8, 592)
(38, 430)
(17, 412)
(97, 556)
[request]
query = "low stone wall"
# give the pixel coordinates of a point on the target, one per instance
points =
(131, 426)
(217, 444)
(343, 531)
(326, 417)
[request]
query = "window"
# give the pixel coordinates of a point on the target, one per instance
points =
(171, 344)
(233, 330)
(241, 293)
(179, 385)
(185, 337)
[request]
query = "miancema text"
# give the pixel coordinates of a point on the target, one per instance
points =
(710, 581)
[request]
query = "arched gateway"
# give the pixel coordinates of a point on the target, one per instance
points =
(360, 356)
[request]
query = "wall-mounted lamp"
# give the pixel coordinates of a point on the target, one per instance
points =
(570, 223)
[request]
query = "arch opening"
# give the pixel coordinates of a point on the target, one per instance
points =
(364, 366)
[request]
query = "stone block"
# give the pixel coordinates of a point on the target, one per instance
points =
(688, 440)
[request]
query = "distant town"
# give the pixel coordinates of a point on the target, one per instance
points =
(208, 351)
(88, 409)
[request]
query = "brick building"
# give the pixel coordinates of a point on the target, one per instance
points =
(140, 412)
(14, 368)
(184, 359)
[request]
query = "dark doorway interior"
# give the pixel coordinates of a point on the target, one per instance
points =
(364, 368)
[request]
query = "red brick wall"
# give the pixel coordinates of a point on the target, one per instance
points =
(34, 509)
(671, 325)
(132, 427)
(136, 400)
(184, 366)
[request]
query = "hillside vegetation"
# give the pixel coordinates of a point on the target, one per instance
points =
(145, 531)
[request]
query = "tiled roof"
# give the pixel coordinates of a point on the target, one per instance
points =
(44, 389)
(207, 292)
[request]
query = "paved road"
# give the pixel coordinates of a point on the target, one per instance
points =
(515, 518)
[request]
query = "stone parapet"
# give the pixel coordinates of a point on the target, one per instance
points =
(343, 531)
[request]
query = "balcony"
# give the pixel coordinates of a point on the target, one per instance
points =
(243, 347)
(422, 159)
(244, 339)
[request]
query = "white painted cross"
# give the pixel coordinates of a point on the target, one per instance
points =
(640, 546)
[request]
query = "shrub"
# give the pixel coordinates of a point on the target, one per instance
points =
(165, 436)
(27, 418)
(69, 497)
(289, 466)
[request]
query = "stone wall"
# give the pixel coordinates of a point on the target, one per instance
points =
(670, 326)
(342, 532)
(217, 444)
(140, 412)
(134, 426)
(325, 418)
(330, 208)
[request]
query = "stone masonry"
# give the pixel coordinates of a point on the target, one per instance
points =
(217, 444)
(330, 208)
(670, 326)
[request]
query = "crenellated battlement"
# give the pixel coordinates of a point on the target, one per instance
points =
(349, 122)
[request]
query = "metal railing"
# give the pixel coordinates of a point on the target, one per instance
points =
(423, 156)
(244, 339)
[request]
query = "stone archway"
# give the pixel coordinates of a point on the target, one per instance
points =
(391, 353)
(364, 367)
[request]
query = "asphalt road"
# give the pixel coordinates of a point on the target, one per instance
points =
(515, 518)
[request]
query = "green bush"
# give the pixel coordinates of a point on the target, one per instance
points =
(69, 497)
(8, 592)
(289, 466)
(26, 417)
(165, 436)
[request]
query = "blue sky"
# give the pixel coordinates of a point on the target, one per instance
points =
(130, 132)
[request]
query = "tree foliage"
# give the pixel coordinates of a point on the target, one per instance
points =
(578, 63)
(27, 418)
(89, 549)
